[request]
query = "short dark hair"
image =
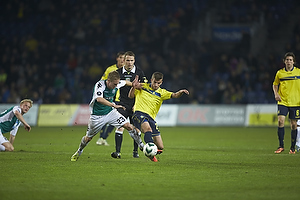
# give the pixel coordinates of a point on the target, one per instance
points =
(129, 53)
(157, 76)
(289, 54)
(120, 53)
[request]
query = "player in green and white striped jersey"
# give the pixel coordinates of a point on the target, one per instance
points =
(104, 111)
(10, 121)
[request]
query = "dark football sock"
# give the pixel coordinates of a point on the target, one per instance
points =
(135, 146)
(148, 137)
(281, 136)
(118, 140)
(106, 130)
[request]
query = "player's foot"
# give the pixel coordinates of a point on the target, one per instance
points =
(75, 156)
(135, 154)
(105, 143)
(279, 150)
(292, 151)
(154, 159)
(159, 151)
(115, 155)
(297, 148)
(102, 141)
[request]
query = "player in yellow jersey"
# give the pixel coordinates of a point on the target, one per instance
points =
(107, 129)
(118, 65)
(286, 88)
(148, 101)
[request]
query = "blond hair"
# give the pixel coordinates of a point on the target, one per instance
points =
(27, 100)
(113, 75)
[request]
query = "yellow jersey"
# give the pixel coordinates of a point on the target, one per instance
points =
(289, 86)
(108, 70)
(149, 101)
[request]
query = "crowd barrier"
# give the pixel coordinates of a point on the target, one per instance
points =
(169, 115)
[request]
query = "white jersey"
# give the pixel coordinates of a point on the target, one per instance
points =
(8, 121)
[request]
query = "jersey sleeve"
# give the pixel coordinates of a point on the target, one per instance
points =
(121, 84)
(99, 89)
(276, 80)
(17, 108)
(166, 94)
(17, 125)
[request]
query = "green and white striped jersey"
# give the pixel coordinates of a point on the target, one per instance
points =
(101, 90)
(8, 120)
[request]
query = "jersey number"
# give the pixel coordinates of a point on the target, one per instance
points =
(121, 120)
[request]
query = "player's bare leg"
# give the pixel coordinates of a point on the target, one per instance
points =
(159, 143)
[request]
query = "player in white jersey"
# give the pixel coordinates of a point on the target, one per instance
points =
(10, 121)
(298, 137)
(104, 111)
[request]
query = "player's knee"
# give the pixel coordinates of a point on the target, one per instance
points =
(280, 122)
(128, 126)
(121, 129)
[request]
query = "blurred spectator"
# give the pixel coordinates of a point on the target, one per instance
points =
(31, 43)
(58, 47)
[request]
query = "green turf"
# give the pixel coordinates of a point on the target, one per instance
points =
(198, 163)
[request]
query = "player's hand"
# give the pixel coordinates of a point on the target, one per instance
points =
(135, 83)
(277, 97)
(27, 127)
(185, 91)
(119, 106)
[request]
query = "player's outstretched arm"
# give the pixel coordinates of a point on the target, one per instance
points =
(180, 93)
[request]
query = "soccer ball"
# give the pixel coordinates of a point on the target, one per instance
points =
(150, 149)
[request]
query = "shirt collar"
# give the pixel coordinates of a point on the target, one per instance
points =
(132, 70)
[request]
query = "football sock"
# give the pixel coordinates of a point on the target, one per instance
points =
(106, 130)
(298, 138)
(101, 132)
(83, 143)
(135, 146)
(293, 139)
(148, 137)
(2, 148)
(79, 151)
(118, 140)
(281, 136)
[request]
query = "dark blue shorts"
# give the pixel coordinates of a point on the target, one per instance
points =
(139, 118)
(294, 112)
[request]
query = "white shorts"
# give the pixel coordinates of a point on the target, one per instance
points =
(96, 122)
(2, 138)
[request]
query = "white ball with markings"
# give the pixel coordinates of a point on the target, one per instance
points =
(150, 149)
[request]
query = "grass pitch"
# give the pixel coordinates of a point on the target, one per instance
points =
(197, 163)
